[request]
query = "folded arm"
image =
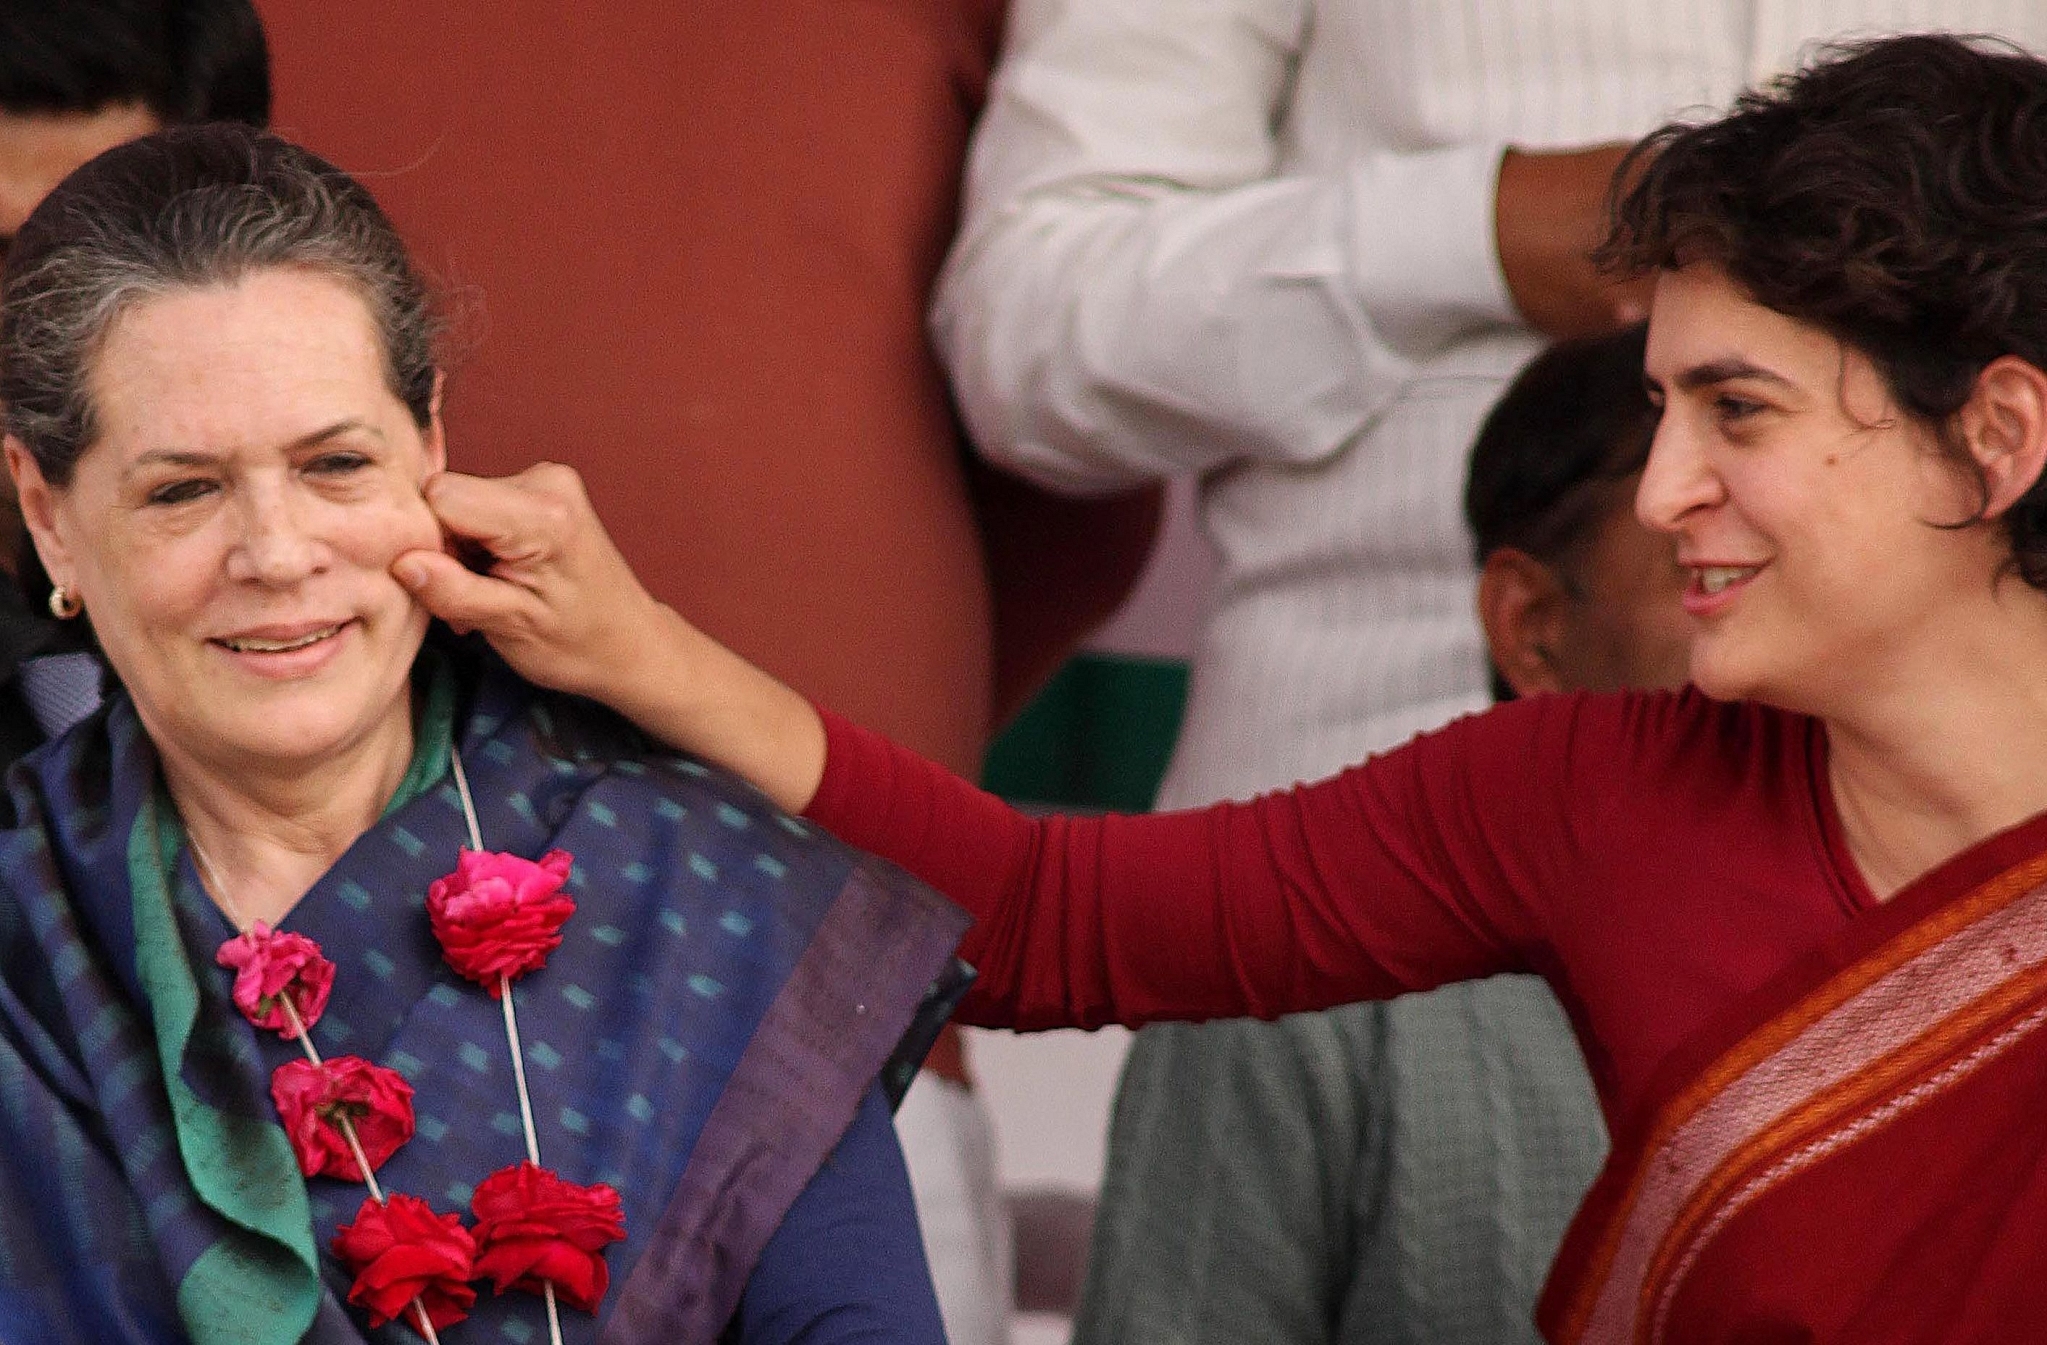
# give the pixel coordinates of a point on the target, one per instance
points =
(1142, 287)
(1136, 290)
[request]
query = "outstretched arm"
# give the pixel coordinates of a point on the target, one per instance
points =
(554, 596)
(1367, 885)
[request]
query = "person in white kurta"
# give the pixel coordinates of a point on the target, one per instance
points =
(1283, 246)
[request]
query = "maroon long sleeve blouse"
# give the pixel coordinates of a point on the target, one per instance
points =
(1654, 855)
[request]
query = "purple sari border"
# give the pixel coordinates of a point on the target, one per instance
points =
(849, 1000)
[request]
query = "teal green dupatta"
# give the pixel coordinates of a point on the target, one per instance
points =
(264, 1286)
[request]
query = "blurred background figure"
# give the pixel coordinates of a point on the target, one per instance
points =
(1574, 592)
(86, 75)
(1290, 1206)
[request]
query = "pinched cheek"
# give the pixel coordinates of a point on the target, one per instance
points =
(376, 537)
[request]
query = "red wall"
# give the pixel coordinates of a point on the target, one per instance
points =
(690, 244)
(694, 242)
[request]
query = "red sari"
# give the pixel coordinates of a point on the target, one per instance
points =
(1856, 1153)
(1830, 1111)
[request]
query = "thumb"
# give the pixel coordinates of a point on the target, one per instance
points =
(457, 595)
(511, 517)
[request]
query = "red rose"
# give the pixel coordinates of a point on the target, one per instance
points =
(533, 1228)
(402, 1251)
(311, 1100)
(498, 915)
(271, 968)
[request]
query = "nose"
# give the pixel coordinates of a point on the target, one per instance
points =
(278, 543)
(1677, 481)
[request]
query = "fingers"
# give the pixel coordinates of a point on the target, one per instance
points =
(465, 600)
(513, 517)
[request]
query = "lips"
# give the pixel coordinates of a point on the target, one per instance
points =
(1716, 579)
(280, 639)
(1714, 586)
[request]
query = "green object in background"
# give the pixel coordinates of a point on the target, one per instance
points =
(1098, 736)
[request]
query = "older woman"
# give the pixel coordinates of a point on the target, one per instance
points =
(1799, 914)
(341, 973)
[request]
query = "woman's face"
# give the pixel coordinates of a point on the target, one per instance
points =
(1802, 501)
(231, 531)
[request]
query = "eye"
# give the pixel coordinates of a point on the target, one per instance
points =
(1729, 407)
(339, 463)
(182, 491)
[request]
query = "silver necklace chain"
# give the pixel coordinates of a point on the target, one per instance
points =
(210, 873)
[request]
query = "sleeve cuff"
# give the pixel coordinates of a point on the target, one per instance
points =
(841, 751)
(1425, 253)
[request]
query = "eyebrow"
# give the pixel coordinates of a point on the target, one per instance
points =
(1726, 371)
(193, 457)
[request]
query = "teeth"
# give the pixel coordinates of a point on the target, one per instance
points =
(252, 646)
(1716, 578)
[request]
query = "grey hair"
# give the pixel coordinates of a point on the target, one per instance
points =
(189, 208)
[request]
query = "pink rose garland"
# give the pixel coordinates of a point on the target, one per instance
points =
(497, 917)
(271, 968)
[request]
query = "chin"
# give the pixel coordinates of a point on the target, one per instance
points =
(294, 730)
(280, 745)
(1722, 677)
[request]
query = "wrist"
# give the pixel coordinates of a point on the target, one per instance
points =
(651, 673)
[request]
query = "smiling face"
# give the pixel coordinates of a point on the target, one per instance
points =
(1803, 502)
(231, 529)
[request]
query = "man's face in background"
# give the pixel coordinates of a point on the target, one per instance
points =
(39, 149)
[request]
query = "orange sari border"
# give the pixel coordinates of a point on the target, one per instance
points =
(1893, 1028)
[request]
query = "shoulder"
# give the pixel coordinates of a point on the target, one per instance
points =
(1564, 761)
(1625, 728)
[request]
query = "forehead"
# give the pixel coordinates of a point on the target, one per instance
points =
(1700, 318)
(242, 364)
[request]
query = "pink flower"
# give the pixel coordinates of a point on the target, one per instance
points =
(404, 1251)
(312, 1100)
(499, 916)
(533, 1228)
(271, 968)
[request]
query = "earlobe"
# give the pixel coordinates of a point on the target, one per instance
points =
(1521, 606)
(2004, 426)
(38, 510)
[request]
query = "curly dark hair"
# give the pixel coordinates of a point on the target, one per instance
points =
(1893, 195)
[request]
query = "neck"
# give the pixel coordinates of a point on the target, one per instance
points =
(1944, 755)
(268, 836)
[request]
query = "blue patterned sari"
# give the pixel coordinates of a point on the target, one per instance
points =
(728, 990)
